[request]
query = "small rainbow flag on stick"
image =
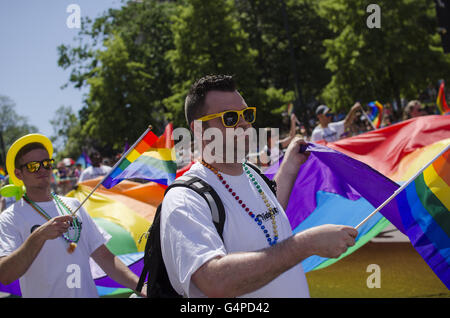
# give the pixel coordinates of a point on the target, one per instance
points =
(376, 113)
(119, 171)
(151, 158)
(441, 102)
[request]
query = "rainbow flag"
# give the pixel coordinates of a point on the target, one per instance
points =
(290, 109)
(84, 160)
(376, 113)
(441, 102)
(149, 158)
(2, 173)
(424, 209)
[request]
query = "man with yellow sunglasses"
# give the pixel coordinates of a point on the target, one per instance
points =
(258, 256)
(41, 244)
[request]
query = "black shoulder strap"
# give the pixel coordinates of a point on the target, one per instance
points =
(153, 245)
(271, 183)
(209, 194)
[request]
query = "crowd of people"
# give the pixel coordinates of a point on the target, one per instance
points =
(199, 261)
(324, 125)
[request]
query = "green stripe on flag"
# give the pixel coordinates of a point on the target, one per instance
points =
(432, 204)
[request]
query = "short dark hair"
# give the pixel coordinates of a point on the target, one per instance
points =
(195, 99)
(26, 149)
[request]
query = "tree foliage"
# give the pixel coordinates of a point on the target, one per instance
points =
(139, 61)
(12, 125)
(397, 60)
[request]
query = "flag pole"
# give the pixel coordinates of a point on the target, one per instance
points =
(112, 169)
(402, 187)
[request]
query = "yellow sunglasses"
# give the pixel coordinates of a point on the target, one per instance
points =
(230, 118)
(34, 166)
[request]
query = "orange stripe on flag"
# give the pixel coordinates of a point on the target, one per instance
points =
(142, 147)
(442, 167)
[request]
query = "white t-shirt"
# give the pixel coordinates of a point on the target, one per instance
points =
(189, 238)
(92, 172)
(54, 272)
(331, 133)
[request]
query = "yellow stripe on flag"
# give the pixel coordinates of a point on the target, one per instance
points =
(133, 155)
(101, 206)
(165, 154)
(438, 186)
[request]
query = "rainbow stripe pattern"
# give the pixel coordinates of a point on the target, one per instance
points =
(424, 209)
(441, 102)
(144, 162)
(2, 173)
(376, 113)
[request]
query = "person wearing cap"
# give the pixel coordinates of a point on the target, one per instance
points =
(329, 131)
(41, 243)
(413, 109)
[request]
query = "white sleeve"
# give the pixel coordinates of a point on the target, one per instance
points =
(316, 135)
(188, 238)
(10, 235)
(339, 128)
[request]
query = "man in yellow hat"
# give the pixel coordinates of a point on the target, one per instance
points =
(41, 243)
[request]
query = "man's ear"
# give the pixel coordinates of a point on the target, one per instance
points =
(18, 173)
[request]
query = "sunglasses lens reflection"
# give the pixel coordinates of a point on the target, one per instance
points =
(249, 115)
(34, 166)
(230, 118)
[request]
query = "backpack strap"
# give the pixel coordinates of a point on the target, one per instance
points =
(153, 245)
(209, 194)
(271, 183)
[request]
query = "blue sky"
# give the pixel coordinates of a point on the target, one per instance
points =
(30, 32)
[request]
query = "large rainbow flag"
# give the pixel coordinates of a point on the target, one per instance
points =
(441, 102)
(151, 158)
(376, 113)
(424, 207)
(333, 188)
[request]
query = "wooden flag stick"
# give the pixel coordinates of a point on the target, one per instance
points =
(114, 167)
(402, 187)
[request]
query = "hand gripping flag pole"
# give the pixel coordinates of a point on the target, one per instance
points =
(401, 188)
(113, 168)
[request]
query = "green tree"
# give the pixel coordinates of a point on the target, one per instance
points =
(12, 126)
(209, 39)
(66, 126)
(265, 22)
(122, 61)
(395, 61)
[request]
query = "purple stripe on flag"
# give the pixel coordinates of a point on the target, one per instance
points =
(331, 171)
(108, 282)
(421, 242)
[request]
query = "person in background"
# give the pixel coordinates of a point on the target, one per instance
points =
(96, 170)
(413, 109)
(273, 150)
(329, 131)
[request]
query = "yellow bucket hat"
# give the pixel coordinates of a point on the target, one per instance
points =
(19, 144)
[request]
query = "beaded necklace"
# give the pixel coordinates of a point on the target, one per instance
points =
(63, 209)
(247, 210)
